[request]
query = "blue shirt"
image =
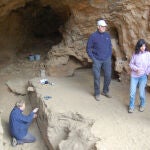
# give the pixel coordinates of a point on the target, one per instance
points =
(99, 46)
(19, 123)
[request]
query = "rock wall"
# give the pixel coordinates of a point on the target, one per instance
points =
(127, 22)
(61, 129)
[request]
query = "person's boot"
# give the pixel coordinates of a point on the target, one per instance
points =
(97, 97)
(14, 142)
(141, 109)
(131, 110)
(106, 94)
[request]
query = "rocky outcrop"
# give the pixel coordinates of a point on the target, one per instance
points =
(127, 22)
(62, 129)
(125, 19)
(18, 86)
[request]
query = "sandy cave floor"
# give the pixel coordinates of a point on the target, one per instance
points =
(117, 129)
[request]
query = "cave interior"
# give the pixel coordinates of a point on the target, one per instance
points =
(32, 29)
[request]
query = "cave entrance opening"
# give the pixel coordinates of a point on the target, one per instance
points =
(42, 26)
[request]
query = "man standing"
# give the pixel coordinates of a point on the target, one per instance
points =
(99, 49)
(19, 124)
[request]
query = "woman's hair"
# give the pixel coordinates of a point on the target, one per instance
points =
(139, 45)
(20, 103)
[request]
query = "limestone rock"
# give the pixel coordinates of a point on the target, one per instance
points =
(79, 139)
(18, 86)
(61, 128)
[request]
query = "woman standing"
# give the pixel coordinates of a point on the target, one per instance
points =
(139, 64)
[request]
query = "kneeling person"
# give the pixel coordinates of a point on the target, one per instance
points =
(19, 124)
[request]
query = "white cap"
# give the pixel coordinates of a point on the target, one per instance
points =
(101, 23)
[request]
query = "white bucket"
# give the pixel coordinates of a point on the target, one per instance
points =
(31, 57)
(37, 57)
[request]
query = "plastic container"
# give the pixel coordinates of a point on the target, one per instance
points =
(31, 57)
(47, 97)
(43, 75)
(37, 57)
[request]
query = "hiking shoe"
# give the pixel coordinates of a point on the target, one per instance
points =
(14, 142)
(131, 110)
(141, 109)
(106, 94)
(97, 97)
